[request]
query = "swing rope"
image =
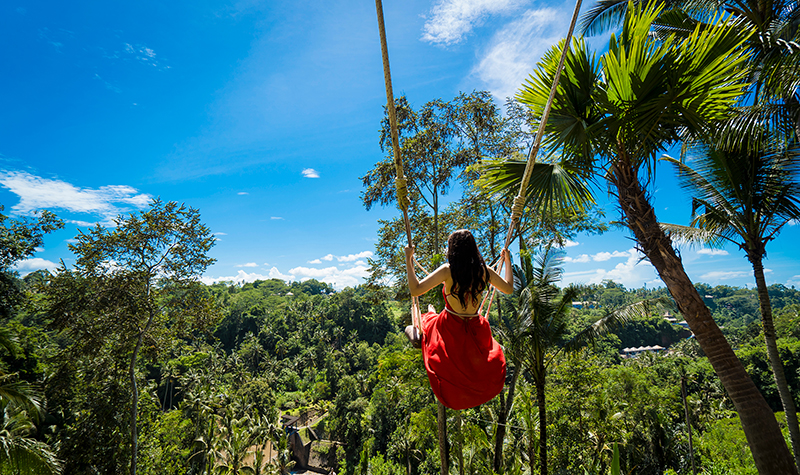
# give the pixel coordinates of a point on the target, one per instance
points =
(518, 205)
(401, 186)
(401, 182)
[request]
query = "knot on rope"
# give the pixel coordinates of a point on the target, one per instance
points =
(518, 207)
(401, 184)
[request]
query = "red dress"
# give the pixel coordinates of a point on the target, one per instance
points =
(465, 365)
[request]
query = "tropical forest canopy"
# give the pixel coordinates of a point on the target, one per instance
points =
(126, 362)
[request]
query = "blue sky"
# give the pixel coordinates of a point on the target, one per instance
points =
(263, 115)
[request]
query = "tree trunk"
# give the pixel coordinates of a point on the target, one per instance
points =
(532, 455)
(774, 357)
(441, 419)
(688, 423)
(766, 442)
(460, 439)
(542, 426)
(500, 434)
(134, 405)
(502, 418)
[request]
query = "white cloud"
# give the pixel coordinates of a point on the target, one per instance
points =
(241, 276)
(349, 273)
(604, 256)
(41, 193)
(220, 234)
(514, 50)
(275, 217)
(338, 278)
(581, 258)
(144, 54)
(354, 257)
(633, 273)
(347, 258)
(310, 173)
(719, 276)
(569, 243)
(27, 266)
(713, 252)
(78, 222)
(274, 273)
(452, 20)
(242, 193)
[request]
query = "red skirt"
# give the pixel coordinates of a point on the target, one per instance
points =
(465, 365)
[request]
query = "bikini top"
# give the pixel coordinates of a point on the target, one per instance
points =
(453, 312)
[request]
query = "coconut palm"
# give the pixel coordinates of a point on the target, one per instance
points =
(282, 463)
(746, 198)
(611, 118)
(774, 62)
(540, 320)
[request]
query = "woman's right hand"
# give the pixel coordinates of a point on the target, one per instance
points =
(409, 252)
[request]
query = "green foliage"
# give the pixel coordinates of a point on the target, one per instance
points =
(19, 239)
(723, 449)
(166, 443)
(134, 289)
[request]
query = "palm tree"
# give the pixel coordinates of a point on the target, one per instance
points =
(746, 198)
(282, 463)
(612, 116)
(19, 453)
(774, 48)
(542, 316)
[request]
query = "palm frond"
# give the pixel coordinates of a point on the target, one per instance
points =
(552, 186)
(605, 15)
(692, 236)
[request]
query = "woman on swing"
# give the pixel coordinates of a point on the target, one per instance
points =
(465, 365)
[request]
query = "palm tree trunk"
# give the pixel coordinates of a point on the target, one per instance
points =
(502, 418)
(460, 439)
(532, 455)
(774, 357)
(134, 405)
(500, 434)
(542, 425)
(688, 423)
(441, 419)
(766, 442)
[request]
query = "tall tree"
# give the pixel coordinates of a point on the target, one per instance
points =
(540, 324)
(746, 198)
(438, 144)
(429, 143)
(136, 285)
(773, 103)
(19, 239)
(613, 116)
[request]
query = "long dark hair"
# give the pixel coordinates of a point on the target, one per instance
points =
(466, 267)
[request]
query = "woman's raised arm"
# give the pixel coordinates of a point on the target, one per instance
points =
(419, 287)
(503, 284)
